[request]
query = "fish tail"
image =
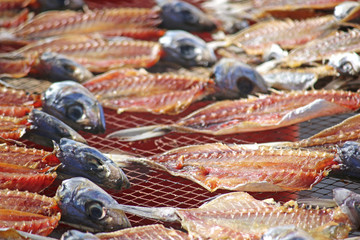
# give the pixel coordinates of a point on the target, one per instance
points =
(140, 133)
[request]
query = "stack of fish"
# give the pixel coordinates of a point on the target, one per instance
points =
(263, 65)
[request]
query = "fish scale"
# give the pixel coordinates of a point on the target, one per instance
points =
(240, 216)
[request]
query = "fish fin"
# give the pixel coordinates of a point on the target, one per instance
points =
(140, 133)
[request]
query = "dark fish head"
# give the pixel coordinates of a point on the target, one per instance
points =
(186, 49)
(85, 205)
(349, 155)
(349, 202)
(77, 235)
(234, 79)
(46, 128)
(57, 67)
(286, 232)
(46, 5)
(184, 16)
(81, 160)
(75, 105)
(346, 63)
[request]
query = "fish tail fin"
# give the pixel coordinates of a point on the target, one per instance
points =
(140, 133)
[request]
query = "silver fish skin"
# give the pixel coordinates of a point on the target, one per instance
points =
(78, 159)
(182, 15)
(187, 50)
(45, 129)
(88, 207)
(75, 105)
(235, 79)
(57, 67)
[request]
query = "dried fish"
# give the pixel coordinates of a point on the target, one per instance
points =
(138, 90)
(235, 215)
(286, 33)
(28, 212)
(253, 114)
(242, 167)
(323, 49)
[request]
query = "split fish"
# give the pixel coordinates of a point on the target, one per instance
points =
(28, 212)
(51, 66)
(170, 15)
(147, 232)
(262, 8)
(288, 33)
(69, 103)
(323, 49)
(33, 170)
(235, 215)
(141, 91)
(171, 93)
(252, 114)
(100, 55)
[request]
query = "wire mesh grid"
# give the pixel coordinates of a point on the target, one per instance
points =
(155, 188)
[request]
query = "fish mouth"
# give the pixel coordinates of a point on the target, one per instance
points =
(99, 123)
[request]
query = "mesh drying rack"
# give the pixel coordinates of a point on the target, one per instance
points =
(154, 188)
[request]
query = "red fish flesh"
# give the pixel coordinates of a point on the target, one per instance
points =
(288, 33)
(240, 216)
(15, 106)
(28, 212)
(54, 23)
(24, 168)
(134, 90)
(244, 167)
(253, 114)
(96, 54)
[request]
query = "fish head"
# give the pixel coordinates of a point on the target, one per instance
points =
(78, 159)
(75, 105)
(347, 10)
(186, 49)
(184, 16)
(349, 158)
(47, 5)
(286, 232)
(349, 203)
(346, 63)
(77, 235)
(88, 207)
(46, 128)
(234, 79)
(59, 68)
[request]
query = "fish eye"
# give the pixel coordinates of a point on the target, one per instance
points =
(188, 51)
(244, 85)
(74, 111)
(68, 67)
(95, 210)
(347, 67)
(95, 165)
(189, 17)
